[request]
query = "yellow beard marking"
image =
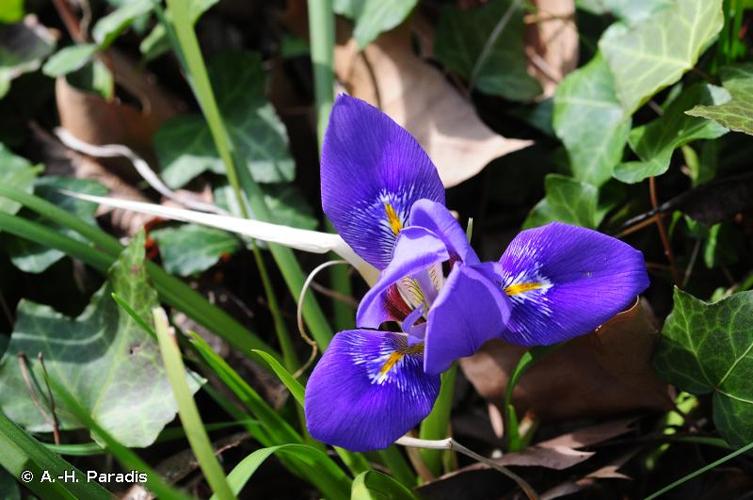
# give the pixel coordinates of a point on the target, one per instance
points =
(395, 358)
(395, 224)
(519, 288)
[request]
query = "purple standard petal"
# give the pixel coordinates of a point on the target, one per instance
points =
(372, 172)
(564, 281)
(411, 275)
(470, 310)
(368, 390)
(436, 218)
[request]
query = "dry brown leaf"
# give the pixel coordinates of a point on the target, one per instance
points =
(551, 40)
(92, 119)
(609, 471)
(416, 95)
(606, 372)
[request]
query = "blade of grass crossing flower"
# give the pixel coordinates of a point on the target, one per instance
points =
(171, 289)
(127, 458)
(197, 75)
(373, 485)
(326, 476)
(187, 410)
(437, 424)
(354, 461)
(23, 455)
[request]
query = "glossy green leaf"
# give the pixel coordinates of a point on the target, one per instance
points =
(373, 485)
(373, 17)
(459, 43)
(318, 468)
(655, 53)
(109, 28)
(94, 77)
(21, 452)
(589, 119)
(69, 59)
(105, 359)
(655, 142)
(708, 348)
(567, 200)
(184, 144)
(629, 11)
(737, 113)
(32, 257)
(23, 46)
(189, 248)
(16, 173)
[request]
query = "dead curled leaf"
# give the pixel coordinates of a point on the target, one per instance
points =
(389, 75)
(603, 373)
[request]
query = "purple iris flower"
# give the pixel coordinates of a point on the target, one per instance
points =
(435, 301)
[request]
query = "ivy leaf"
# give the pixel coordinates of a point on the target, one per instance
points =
(189, 248)
(23, 46)
(590, 121)
(736, 114)
(18, 173)
(708, 348)
(460, 39)
(184, 144)
(629, 11)
(655, 142)
(31, 257)
(373, 17)
(567, 200)
(103, 357)
(654, 53)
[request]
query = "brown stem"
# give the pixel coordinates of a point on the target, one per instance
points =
(69, 20)
(55, 421)
(663, 232)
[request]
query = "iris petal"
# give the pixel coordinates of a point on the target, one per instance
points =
(368, 390)
(564, 281)
(417, 250)
(372, 172)
(436, 218)
(470, 310)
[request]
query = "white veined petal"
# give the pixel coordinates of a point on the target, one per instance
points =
(292, 237)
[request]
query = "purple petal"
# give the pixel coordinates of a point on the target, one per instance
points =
(372, 172)
(564, 281)
(417, 249)
(368, 390)
(470, 310)
(436, 218)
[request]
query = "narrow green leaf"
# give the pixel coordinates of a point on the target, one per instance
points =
(295, 387)
(109, 28)
(373, 485)
(437, 425)
(328, 478)
(69, 59)
(708, 348)
(21, 452)
(187, 410)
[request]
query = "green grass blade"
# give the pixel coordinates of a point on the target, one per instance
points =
(328, 478)
(745, 449)
(394, 460)
(437, 424)
(354, 461)
(127, 458)
(187, 410)
(373, 485)
(21, 452)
